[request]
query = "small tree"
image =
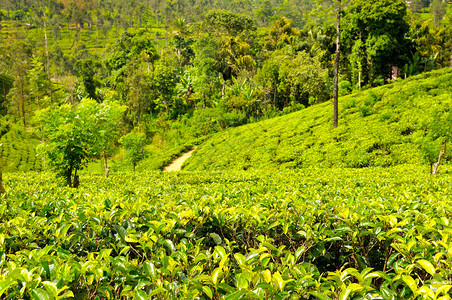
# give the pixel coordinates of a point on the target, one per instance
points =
(439, 133)
(133, 142)
(71, 137)
(441, 130)
(108, 118)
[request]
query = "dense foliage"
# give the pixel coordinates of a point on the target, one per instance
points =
(188, 69)
(349, 233)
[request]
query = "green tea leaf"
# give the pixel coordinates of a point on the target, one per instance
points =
(216, 238)
(319, 295)
(40, 294)
(141, 295)
(427, 266)
(410, 282)
(121, 232)
(207, 291)
(236, 295)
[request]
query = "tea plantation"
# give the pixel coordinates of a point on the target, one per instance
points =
(384, 126)
(376, 233)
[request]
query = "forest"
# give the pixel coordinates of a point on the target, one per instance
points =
(166, 69)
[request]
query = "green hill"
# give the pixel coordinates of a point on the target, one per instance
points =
(18, 148)
(383, 126)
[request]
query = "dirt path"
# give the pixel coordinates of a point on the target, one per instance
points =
(176, 165)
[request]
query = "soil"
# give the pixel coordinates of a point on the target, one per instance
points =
(176, 165)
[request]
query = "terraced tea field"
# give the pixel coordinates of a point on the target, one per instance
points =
(306, 234)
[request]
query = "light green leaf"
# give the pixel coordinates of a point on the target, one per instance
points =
(141, 295)
(350, 289)
(207, 291)
(216, 238)
(40, 294)
(215, 275)
(410, 282)
(4, 285)
(121, 232)
(319, 295)
(51, 288)
(236, 295)
(427, 266)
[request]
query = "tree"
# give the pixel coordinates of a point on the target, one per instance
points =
(130, 46)
(6, 83)
(164, 81)
(441, 131)
(234, 56)
(287, 78)
(38, 81)
(133, 142)
(382, 28)
(438, 9)
(281, 33)
(2, 188)
(137, 88)
(19, 95)
(336, 64)
(86, 71)
(207, 79)
(233, 24)
(108, 122)
(71, 137)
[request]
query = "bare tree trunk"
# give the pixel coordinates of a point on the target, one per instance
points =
(441, 154)
(22, 95)
(76, 182)
(69, 177)
(336, 64)
(359, 80)
(2, 188)
(4, 97)
(47, 57)
(274, 94)
(107, 168)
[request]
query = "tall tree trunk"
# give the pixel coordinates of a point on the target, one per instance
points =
(274, 94)
(166, 36)
(107, 168)
(336, 64)
(139, 114)
(2, 188)
(359, 80)
(69, 177)
(441, 153)
(4, 97)
(451, 56)
(22, 95)
(47, 57)
(76, 181)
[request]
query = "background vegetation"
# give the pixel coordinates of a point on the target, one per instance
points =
(187, 70)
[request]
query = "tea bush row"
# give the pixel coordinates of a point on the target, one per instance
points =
(308, 234)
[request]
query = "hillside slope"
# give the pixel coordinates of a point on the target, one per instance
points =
(377, 127)
(17, 148)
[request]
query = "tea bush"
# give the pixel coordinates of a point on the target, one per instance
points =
(309, 234)
(392, 117)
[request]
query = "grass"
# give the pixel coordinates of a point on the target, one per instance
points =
(377, 127)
